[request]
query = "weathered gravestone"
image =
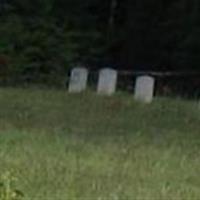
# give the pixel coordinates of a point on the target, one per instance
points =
(107, 81)
(78, 80)
(144, 89)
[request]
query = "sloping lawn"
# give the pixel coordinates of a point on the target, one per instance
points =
(89, 147)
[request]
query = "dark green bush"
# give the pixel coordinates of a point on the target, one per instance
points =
(33, 51)
(41, 51)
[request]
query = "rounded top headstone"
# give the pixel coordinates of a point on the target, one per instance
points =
(144, 88)
(107, 81)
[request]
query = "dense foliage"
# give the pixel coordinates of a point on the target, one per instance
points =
(41, 39)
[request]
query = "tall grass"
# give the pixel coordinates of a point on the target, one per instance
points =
(85, 146)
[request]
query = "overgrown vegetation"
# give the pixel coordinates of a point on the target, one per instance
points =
(86, 146)
(7, 188)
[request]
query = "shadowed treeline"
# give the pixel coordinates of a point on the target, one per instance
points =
(42, 39)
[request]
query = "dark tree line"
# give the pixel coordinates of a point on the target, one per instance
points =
(41, 39)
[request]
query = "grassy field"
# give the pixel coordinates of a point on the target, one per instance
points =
(89, 147)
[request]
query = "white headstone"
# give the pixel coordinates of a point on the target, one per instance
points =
(107, 81)
(144, 89)
(78, 79)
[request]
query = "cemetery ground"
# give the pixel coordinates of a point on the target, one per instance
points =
(86, 146)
